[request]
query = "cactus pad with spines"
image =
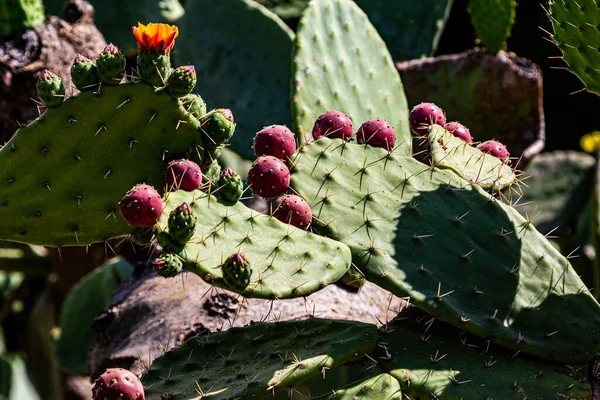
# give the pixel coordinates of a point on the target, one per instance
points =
(433, 360)
(470, 163)
(69, 169)
(459, 253)
(493, 21)
(576, 34)
(286, 261)
(382, 386)
(223, 46)
(257, 360)
(341, 63)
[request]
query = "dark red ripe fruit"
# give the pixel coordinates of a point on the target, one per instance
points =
(293, 210)
(495, 149)
(378, 133)
(118, 384)
(423, 115)
(460, 131)
(142, 206)
(183, 174)
(269, 177)
(275, 140)
(333, 124)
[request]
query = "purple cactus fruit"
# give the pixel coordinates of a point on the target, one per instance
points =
(423, 115)
(496, 149)
(333, 124)
(118, 384)
(275, 140)
(142, 206)
(269, 177)
(378, 133)
(460, 131)
(293, 210)
(183, 174)
(226, 112)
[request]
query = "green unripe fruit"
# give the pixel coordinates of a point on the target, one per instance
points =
(50, 89)
(237, 272)
(194, 104)
(142, 236)
(154, 68)
(111, 65)
(168, 265)
(230, 185)
(84, 73)
(182, 223)
(182, 81)
(212, 172)
(217, 127)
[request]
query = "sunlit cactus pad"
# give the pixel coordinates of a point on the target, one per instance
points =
(286, 262)
(459, 253)
(382, 386)
(450, 152)
(433, 360)
(62, 176)
(257, 360)
(341, 63)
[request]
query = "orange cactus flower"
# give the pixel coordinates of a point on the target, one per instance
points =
(156, 38)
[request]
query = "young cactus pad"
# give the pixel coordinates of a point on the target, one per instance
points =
(62, 176)
(286, 261)
(256, 360)
(576, 34)
(341, 63)
(459, 254)
(382, 386)
(493, 21)
(432, 360)
(450, 152)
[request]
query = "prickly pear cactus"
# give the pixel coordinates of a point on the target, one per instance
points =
(383, 386)
(433, 360)
(234, 34)
(16, 16)
(70, 167)
(286, 262)
(493, 21)
(257, 360)
(576, 35)
(470, 163)
(459, 253)
(341, 63)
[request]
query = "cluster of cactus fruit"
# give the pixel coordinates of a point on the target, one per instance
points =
(339, 206)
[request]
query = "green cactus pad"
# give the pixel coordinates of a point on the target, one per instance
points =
(257, 360)
(411, 29)
(577, 37)
(433, 360)
(114, 18)
(493, 21)
(470, 163)
(459, 253)
(86, 300)
(557, 185)
(238, 67)
(380, 387)
(286, 262)
(16, 16)
(69, 168)
(341, 63)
